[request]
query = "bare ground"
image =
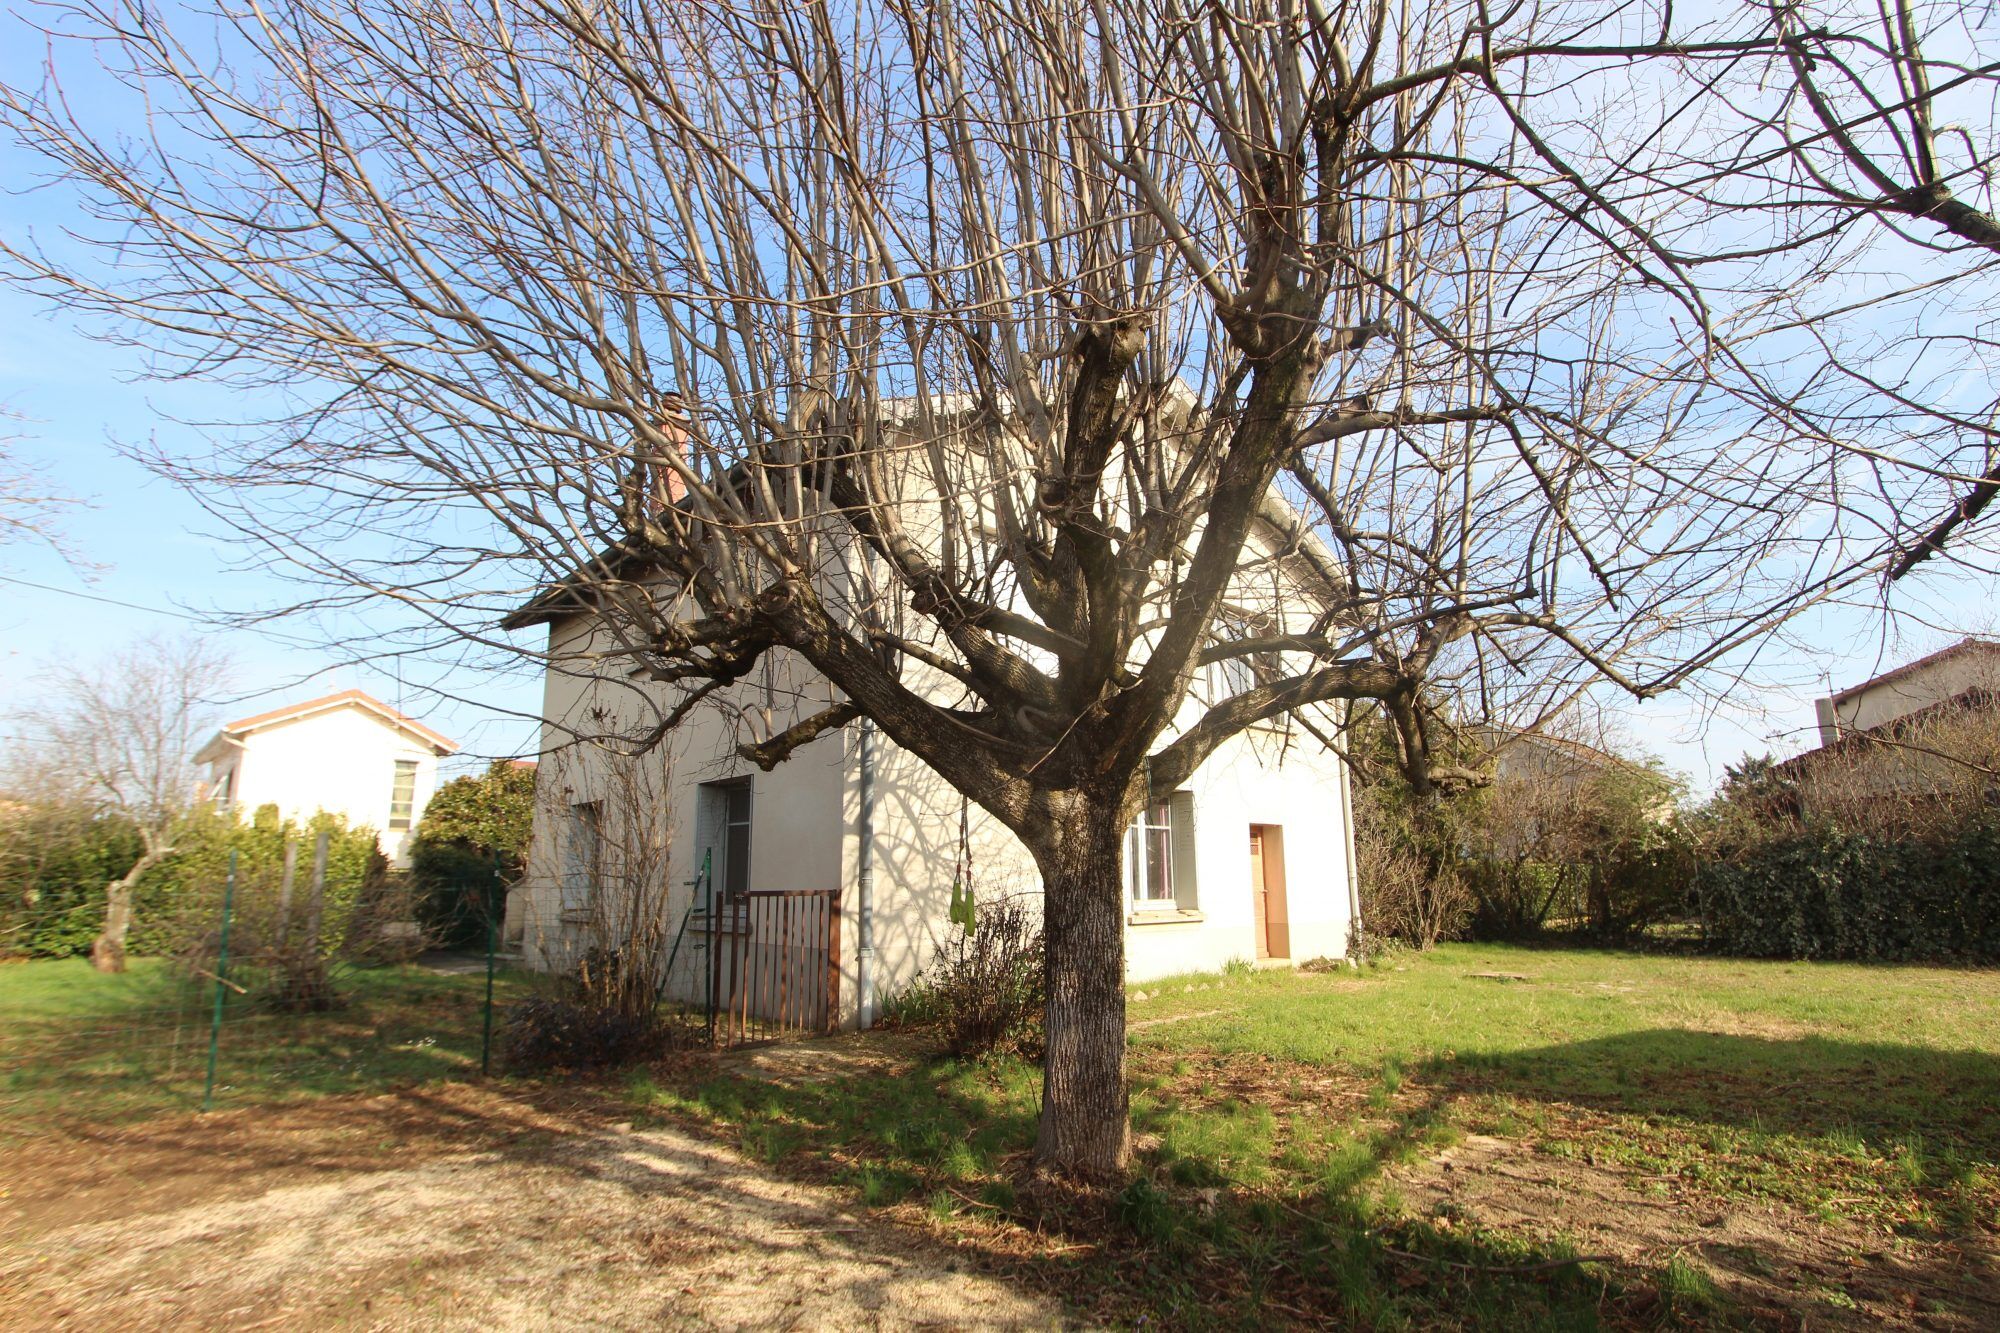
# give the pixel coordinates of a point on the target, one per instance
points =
(455, 1207)
(1771, 1262)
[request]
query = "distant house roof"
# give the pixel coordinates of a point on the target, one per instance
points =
(1497, 736)
(234, 732)
(1972, 645)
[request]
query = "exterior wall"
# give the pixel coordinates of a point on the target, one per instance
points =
(805, 814)
(342, 761)
(1256, 778)
(1873, 705)
(796, 832)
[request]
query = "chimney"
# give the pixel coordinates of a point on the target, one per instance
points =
(671, 420)
(1829, 721)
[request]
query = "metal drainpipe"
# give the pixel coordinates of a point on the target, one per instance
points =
(864, 883)
(1353, 861)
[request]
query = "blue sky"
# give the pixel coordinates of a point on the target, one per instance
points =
(144, 542)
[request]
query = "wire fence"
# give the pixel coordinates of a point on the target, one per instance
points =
(263, 1002)
(276, 983)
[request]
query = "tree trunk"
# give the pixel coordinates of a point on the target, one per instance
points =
(107, 951)
(1085, 1129)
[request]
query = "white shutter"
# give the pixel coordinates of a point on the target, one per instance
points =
(1180, 813)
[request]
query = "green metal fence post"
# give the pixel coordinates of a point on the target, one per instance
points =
(493, 901)
(221, 981)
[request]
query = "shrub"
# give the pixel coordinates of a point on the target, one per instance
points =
(55, 859)
(984, 991)
(472, 838)
(1406, 853)
(554, 1032)
(1826, 892)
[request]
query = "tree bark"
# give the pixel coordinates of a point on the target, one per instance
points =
(107, 951)
(1085, 1128)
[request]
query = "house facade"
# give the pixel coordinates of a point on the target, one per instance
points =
(1906, 746)
(1251, 859)
(1958, 675)
(348, 754)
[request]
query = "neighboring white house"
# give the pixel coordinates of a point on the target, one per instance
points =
(1964, 674)
(348, 754)
(1904, 741)
(1252, 859)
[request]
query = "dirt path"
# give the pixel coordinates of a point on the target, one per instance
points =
(453, 1208)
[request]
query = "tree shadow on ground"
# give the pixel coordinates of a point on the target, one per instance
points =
(1881, 1094)
(1197, 1236)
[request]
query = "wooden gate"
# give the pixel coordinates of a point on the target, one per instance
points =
(774, 965)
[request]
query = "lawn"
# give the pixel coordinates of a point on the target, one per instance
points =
(81, 1048)
(1428, 1142)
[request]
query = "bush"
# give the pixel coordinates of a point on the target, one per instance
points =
(552, 1032)
(984, 991)
(1827, 892)
(1407, 856)
(55, 859)
(472, 838)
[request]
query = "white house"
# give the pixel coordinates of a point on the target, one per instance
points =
(1966, 675)
(348, 754)
(1251, 859)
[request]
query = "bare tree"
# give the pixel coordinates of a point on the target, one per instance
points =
(1855, 123)
(616, 883)
(29, 508)
(120, 739)
(953, 354)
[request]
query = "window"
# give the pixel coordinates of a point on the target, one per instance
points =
(724, 837)
(1149, 857)
(583, 854)
(403, 795)
(1159, 856)
(1233, 675)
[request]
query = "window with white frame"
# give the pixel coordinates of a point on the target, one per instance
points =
(1233, 675)
(583, 855)
(403, 794)
(1159, 856)
(1149, 857)
(723, 815)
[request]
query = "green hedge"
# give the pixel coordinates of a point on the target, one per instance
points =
(53, 877)
(1826, 893)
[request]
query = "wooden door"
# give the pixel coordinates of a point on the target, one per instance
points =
(1267, 891)
(1258, 905)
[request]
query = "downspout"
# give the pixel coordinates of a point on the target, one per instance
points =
(1354, 943)
(864, 885)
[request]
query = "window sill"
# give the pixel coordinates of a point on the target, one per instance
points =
(573, 916)
(1165, 916)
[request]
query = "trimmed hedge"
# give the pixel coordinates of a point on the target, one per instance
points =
(1826, 893)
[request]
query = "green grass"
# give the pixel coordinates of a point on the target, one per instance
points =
(1804, 1082)
(1268, 1112)
(79, 1047)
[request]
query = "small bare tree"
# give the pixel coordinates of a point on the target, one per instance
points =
(606, 920)
(1926, 776)
(121, 738)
